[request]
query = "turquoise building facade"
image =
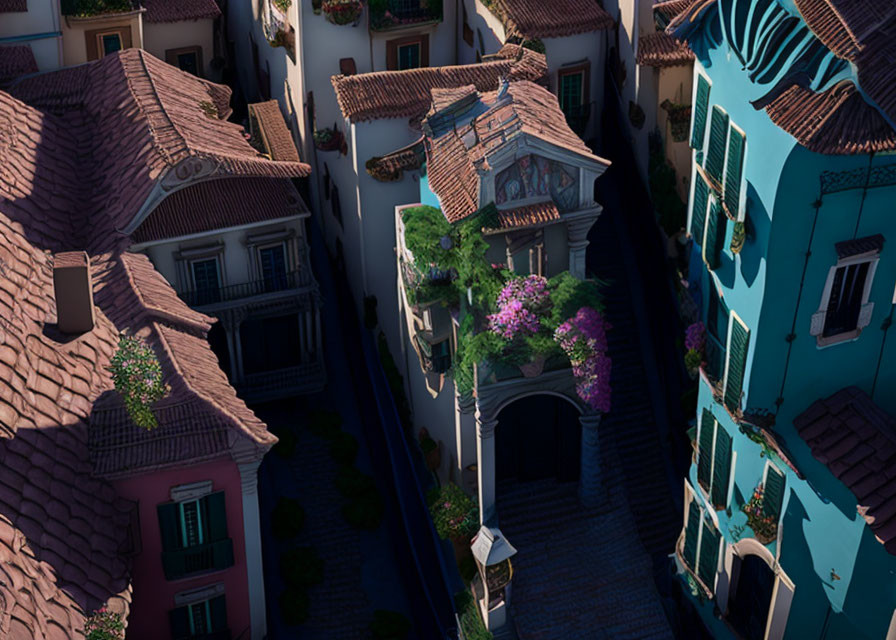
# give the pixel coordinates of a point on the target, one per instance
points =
(791, 208)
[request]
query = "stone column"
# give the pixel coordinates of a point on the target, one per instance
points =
(578, 242)
(462, 405)
(252, 533)
(591, 490)
(485, 467)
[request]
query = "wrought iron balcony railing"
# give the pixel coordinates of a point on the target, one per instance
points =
(277, 282)
(395, 14)
(203, 557)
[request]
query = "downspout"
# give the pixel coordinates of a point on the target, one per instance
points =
(57, 22)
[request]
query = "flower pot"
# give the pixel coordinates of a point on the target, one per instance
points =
(534, 368)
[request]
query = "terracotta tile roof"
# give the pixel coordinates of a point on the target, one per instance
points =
(267, 123)
(862, 32)
(16, 61)
(555, 19)
(74, 165)
(408, 94)
(455, 158)
(839, 120)
(671, 8)
(836, 121)
(856, 440)
(532, 215)
(220, 204)
(662, 50)
(177, 10)
(12, 6)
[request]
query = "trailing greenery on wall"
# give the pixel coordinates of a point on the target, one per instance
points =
(88, 8)
(103, 624)
(137, 376)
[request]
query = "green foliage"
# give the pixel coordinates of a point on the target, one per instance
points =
(738, 236)
(351, 483)
(542, 345)
(295, 606)
(283, 5)
(454, 513)
(389, 625)
(344, 448)
(364, 511)
(137, 376)
(88, 8)
(302, 567)
(103, 624)
(471, 625)
(424, 228)
(671, 211)
(569, 294)
(287, 519)
(692, 359)
(286, 443)
(325, 423)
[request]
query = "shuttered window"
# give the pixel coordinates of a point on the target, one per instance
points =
(734, 166)
(701, 105)
(721, 469)
(698, 207)
(199, 619)
(714, 460)
(738, 343)
(714, 240)
(774, 493)
(709, 555)
(715, 153)
(194, 536)
(691, 535)
(704, 453)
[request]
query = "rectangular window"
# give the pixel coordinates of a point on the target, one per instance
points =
(708, 562)
(699, 203)
(572, 90)
(773, 498)
(194, 536)
(206, 281)
(734, 166)
(407, 53)
(573, 93)
(717, 334)
(698, 114)
(714, 458)
(109, 43)
(844, 310)
(715, 153)
(198, 619)
(736, 362)
(187, 59)
(702, 542)
(273, 267)
(714, 235)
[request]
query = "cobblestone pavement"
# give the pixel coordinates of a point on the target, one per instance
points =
(578, 575)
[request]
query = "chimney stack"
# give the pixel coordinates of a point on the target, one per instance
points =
(74, 292)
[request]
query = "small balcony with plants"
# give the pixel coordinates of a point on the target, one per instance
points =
(390, 15)
(506, 326)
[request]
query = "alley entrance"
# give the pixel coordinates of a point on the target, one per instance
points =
(748, 609)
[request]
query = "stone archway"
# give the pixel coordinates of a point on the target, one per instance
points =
(491, 399)
(757, 602)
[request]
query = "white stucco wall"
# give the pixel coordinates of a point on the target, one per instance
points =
(488, 32)
(675, 85)
(41, 18)
(569, 51)
(159, 37)
(74, 47)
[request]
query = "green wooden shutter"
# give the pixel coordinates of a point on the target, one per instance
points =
(222, 554)
(690, 535)
(734, 169)
(709, 555)
(715, 153)
(704, 453)
(737, 362)
(722, 468)
(698, 208)
(218, 610)
(774, 493)
(215, 517)
(715, 235)
(179, 621)
(701, 104)
(169, 526)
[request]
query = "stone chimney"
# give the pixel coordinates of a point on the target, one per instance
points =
(74, 292)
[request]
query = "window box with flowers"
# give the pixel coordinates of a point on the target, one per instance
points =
(329, 140)
(342, 12)
(103, 624)
(764, 526)
(137, 375)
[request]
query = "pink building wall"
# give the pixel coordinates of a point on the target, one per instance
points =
(153, 595)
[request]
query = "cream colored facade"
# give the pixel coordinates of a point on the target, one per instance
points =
(40, 28)
(165, 39)
(82, 37)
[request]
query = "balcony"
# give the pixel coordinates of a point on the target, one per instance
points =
(388, 15)
(213, 556)
(229, 293)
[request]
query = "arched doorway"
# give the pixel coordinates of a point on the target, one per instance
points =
(538, 437)
(749, 607)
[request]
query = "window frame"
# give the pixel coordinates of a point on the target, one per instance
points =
(582, 69)
(732, 318)
(740, 213)
(218, 270)
(765, 470)
(707, 493)
(171, 56)
(93, 40)
(286, 261)
(392, 47)
(101, 49)
(699, 72)
(691, 493)
(866, 309)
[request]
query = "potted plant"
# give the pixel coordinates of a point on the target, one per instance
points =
(328, 139)
(738, 235)
(342, 11)
(764, 527)
(455, 515)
